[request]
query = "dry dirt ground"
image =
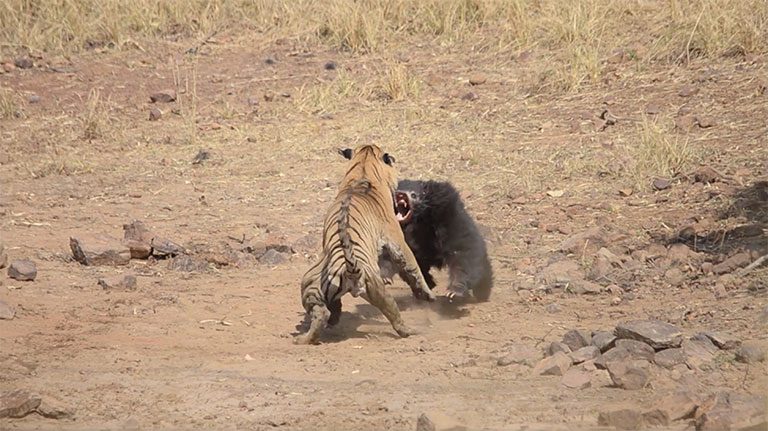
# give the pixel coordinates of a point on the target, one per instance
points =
(211, 348)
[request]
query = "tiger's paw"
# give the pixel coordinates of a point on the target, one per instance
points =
(406, 331)
(424, 296)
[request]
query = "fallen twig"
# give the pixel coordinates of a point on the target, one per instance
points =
(759, 261)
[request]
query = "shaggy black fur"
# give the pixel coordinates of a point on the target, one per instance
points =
(441, 233)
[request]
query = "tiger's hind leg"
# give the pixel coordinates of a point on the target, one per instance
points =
(377, 295)
(318, 320)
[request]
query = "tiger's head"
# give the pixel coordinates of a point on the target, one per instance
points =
(369, 161)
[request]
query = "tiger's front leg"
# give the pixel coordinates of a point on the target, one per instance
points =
(409, 270)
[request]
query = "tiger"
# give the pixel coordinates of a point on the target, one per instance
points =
(360, 225)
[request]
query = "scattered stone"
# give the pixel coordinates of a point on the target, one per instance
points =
(520, 354)
(603, 340)
(677, 406)
(688, 91)
(560, 273)
(22, 270)
(707, 267)
(330, 65)
(138, 238)
(736, 261)
(477, 79)
(555, 365)
(584, 287)
(34, 98)
(720, 339)
(553, 308)
(628, 377)
(674, 276)
(187, 263)
(655, 417)
(669, 358)
(438, 421)
(155, 114)
(698, 352)
(616, 354)
(658, 334)
(6, 311)
(273, 257)
(118, 282)
(557, 346)
(17, 404)
(636, 349)
(470, 96)
(730, 411)
(163, 247)
(270, 61)
(166, 96)
(616, 301)
(706, 174)
(575, 339)
(652, 109)
(576, 244)
(99, 250)
(54, 409)
(575, 378)
(201, 156)
(661, 184)
(679, 253)
(584, 354)
(23, 63)
(752, 352)
(624, 419)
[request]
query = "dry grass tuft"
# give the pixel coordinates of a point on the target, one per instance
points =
(95, 117)
(397, 84)
(9, 104)
(658, 152)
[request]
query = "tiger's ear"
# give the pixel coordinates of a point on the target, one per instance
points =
(346, 152)
(388, 159)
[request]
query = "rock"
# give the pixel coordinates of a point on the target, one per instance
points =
(669, 358)
(477, 79)
(706, 175)
(3, 256)
(658, 334)
(165, 96)
(707, 267)
(54, 409)
(138, 238)
(555, 365)
(330, 65)
(615, 301)
(679, 253)
(752, 352)
(201, 156)
(576, 339)
(424, 423)
(655, 417)
(119, 282)
(636, 349)
(624, 419)
(438, 421)
(736, 261)
(99, 250)
(273, 257)
(470, 96)
(557, 346)
(688, 91)
(721, 339)
(575, 378)
(652, 109)
(584, 287)
(23, 63)
(163, 247)
(560, 273)
(677, 406)
(34, 98)
(628, 377)
(155, 114)
(661, 184)
(6, 311)
(553, 308)
(603, 340)
(520, 354)
(576, 244)
(698, 352)
(186, 263)
(674, 276)
(17, 404)
(584, 354)
(22, 270)
(730, 411)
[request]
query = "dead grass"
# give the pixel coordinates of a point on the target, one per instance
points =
(95, 118)
(9, 104)
(657, 152)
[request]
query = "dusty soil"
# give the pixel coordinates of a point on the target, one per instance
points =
(212, 348)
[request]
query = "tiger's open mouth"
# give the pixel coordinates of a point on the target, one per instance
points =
(403, 211)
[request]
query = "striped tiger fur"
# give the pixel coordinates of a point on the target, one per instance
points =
(358, 227)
